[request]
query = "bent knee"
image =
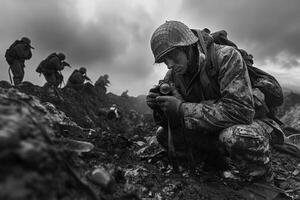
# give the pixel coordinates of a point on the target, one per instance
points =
(251, 137)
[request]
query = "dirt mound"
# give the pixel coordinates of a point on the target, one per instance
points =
(29, 158)
(63, 147)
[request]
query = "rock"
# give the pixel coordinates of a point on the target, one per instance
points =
(102, 178)
(31, 166)
(74, 145)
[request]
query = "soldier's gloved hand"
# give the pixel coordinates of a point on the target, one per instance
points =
(151, 97)
(171, 106)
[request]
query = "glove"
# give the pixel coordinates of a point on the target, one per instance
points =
(151, 97)
(170, 105)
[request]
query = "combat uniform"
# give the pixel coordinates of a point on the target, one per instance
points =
(22, 52)
(102, 83)
(223, 118)
(77, 79)
(52, 71)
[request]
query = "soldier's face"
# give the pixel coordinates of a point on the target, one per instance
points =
(176, 60)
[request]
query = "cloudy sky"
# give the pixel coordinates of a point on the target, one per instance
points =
(112, 36)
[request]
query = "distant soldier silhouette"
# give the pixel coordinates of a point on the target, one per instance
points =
(15, 56)
(51, 68)
(102, 83)
(77, 78)
(125, 94)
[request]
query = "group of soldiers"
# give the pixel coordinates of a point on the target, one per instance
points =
(51, 68)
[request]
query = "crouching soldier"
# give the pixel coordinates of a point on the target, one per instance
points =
(210, 110)
(77, 79)
(15, 56)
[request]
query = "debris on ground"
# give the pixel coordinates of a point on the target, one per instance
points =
(64, 149)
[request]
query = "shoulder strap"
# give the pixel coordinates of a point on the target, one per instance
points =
(211, 66)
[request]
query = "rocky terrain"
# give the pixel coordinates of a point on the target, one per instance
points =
(63, 147)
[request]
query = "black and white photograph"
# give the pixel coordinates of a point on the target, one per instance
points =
(150, 100)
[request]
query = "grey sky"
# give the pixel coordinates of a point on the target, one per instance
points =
(112, 36)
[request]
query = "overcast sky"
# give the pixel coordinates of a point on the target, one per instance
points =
(113, 36)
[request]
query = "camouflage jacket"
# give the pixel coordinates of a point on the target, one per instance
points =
(204, 108)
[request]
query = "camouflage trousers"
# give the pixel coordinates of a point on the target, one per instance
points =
(17, 69)
(246, 148)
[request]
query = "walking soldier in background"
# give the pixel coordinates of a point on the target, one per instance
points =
(15, 56)
(51, 68)
(102, 83)
(77, 78)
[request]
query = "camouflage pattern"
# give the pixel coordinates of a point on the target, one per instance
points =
(234, 102)
(228, 112)
(170, 35)
(249, 147)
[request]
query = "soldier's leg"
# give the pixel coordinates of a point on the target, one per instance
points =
(248, 150)
(50, 79)
(17, 71)
(59, 79)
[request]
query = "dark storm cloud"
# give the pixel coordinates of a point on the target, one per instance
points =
(266, 27)
(116, 43)
(53, 27)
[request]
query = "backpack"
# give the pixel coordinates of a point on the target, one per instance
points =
(43, 66)
(260, 79)
(10, 53)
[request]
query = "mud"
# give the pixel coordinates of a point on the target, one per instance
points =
(35, 164)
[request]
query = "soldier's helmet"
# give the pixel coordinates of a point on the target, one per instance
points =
(170, 35)
(105, 76)
(82, 70)
(61, 56)
(26, 40)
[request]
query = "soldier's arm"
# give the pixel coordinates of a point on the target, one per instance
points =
(86, 77)
(236, 103)
(64, 63)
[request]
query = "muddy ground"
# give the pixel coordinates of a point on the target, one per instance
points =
(40, 160)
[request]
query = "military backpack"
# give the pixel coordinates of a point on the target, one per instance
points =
(10, 53)
(260, 79)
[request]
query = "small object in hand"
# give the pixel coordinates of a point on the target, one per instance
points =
(165, 88)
